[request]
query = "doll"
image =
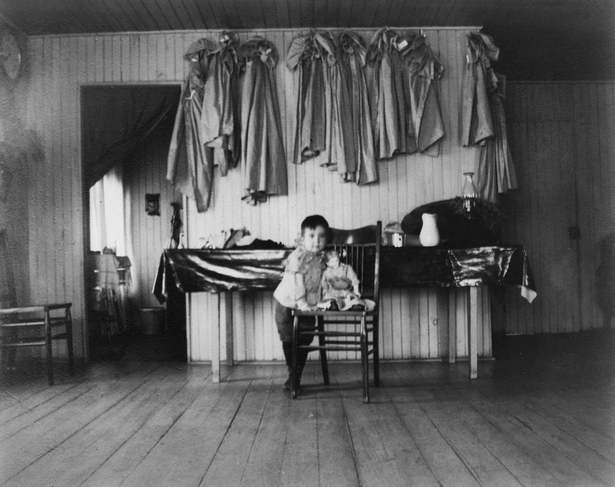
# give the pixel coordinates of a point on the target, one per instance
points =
(339, 284)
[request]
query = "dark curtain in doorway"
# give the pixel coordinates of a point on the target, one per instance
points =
(116, 119)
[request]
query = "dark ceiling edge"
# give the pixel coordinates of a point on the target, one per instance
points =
(4, 20)
(239, 31)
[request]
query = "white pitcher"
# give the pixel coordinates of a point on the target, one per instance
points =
(429, 236)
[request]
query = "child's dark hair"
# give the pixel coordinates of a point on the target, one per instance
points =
(313, 221)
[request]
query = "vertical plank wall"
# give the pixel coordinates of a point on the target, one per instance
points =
(414, 322)
(562, 135)
(145, 173)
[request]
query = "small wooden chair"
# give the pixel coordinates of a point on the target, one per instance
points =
(354, 331)
(45, 318)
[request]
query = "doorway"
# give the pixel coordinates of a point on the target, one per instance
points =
(127, 131)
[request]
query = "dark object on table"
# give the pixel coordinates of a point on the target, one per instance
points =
(455, 229)
(258, 244)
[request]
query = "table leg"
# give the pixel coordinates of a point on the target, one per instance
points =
(215, 353)
(228, 322)
(452, 326)
(472, 310)
(225, 318)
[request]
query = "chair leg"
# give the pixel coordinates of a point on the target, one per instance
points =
(376, 352)
(9, 354)
(295, 350)
(69, 342)
(116, 311)
(364, 361)
(108, 318)
(48, 349)
(323, 353)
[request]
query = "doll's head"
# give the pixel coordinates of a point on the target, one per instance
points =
(332, 259)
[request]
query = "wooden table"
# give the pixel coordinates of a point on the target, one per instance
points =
(220, 271)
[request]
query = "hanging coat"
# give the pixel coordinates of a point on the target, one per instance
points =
(263, 161)
(390, 107)
(307, 54)
(476, 121)
(496, 171)
(424, 74)
(339, 154)
(187, 166)
(220, 115)
(355, 59)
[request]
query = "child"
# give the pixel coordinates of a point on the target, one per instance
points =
(300, 288)
(340, 284)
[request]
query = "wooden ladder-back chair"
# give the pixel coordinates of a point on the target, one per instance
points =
(351, 330)
(40, 321)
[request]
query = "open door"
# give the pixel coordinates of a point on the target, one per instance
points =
(126, 137)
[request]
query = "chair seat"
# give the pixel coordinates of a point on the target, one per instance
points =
(30, 322)
(334, 314)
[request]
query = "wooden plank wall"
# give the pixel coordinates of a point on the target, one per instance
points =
(564, 151)
(146, 173)
(415, 322)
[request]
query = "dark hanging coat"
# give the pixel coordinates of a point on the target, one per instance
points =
(263, 161)
(308, 54)
(393, 133)
(496, 171)
(187, 166)
(355, 58)
(220, 114)
(424, 74)
(340, 152)
(476, 121)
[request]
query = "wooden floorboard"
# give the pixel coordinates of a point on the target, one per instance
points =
(540, 414)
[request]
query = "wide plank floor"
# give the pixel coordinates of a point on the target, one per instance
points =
(541, 414)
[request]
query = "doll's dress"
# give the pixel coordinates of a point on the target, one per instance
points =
(339, 282)
(340, 290)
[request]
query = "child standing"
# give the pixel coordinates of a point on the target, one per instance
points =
(300, 287)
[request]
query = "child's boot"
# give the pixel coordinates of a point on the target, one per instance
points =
(287, 347)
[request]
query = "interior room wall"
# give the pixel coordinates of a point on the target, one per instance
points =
(145, 172)
(564, 210)
(62, 64)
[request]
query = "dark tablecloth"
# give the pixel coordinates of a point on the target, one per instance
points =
(218, 270)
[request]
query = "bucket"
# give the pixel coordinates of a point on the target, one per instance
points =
(152, 321)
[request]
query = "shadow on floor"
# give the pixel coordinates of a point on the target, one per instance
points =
(133, 346)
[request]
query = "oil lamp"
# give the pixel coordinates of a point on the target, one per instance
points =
(470, 194)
